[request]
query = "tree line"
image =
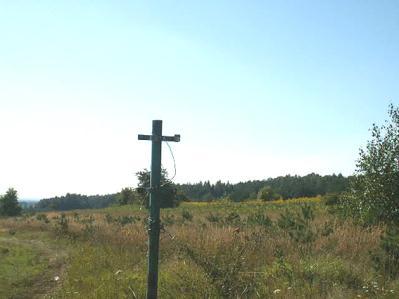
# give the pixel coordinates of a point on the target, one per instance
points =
(72, 201)
(284, 187)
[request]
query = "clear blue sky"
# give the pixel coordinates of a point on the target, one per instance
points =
(256, 88)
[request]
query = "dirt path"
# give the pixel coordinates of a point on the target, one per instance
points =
(48, 254)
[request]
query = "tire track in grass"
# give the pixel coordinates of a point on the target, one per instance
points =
(30, 266)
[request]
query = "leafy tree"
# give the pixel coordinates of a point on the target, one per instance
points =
(9, 205)
(168, 191)
(267, 194)
(374, 192)
(127, 196)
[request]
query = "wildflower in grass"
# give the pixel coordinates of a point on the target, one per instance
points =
(276, 291)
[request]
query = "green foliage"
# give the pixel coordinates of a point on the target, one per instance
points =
(61, 225)
(298, 225)
(108, 218)
(42, 217)
(76, 202)
(9, 205)
(167, 190)
(374, 192)
(125, 220)
(186, 215)
(327, 272)
(214, 217)
(266, 193)
(232, 218)
(259, 219)
(120, 220)
(327, 229)
(239, 195)
(281, 268)
(331, 199)
(286, 186)
(127, 196)
(386, 260)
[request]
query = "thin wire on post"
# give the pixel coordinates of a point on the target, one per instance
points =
(174, 161)
(174, 167)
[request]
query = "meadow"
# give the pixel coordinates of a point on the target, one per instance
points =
(281, 249)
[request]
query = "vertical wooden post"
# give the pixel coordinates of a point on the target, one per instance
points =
(154, 217)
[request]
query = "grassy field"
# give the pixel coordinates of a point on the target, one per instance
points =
(282, 249)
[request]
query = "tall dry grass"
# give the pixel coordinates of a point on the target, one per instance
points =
(214, 251)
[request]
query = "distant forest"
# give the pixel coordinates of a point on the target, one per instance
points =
(76, 202)
(285, 187)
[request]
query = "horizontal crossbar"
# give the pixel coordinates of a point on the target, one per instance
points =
(175, 138)
(144, 137)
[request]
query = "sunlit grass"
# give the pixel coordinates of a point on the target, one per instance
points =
(216, 250)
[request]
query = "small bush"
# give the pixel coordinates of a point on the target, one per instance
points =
(42, 217)
(214, 218)
(298, 225)
(232, 219)
(186, 215)
(259, 219)
(89, 230)
(281, 268)
(327, 229)
(267, 193)
(109, 219)
(61, 226)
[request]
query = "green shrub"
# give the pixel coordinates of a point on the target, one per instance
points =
(61, 225)
(298, 225)
(266, 193)
(327, 229)
(259, 219)
(186, 215)
(281, 268)
(109, 219)
(331, 199)
(232, 219)
(214, 218)
(42, 217)
(386, 260)
(326, 272)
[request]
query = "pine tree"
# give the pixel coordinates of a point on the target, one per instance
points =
(9, 205)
